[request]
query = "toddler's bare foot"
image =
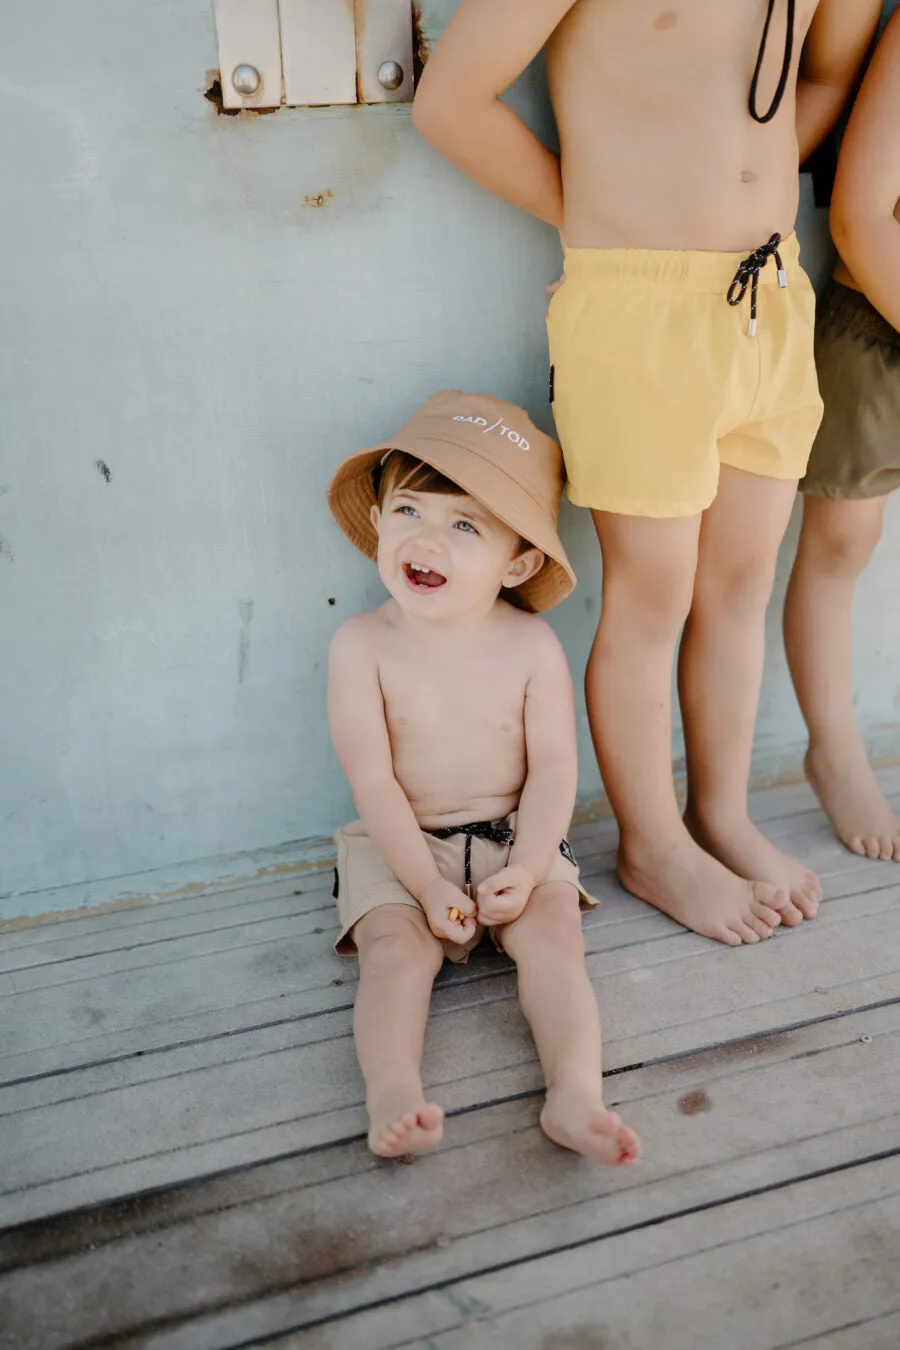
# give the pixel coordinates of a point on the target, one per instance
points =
(854, 803)
(740, 846)
(689, 885)
(403, 1122)
(575, 1117)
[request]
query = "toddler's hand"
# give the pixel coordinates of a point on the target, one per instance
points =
(439, 900)
(503, 897)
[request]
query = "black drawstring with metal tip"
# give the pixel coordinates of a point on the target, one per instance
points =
(748, 275)
(479, 829)
(785, 65)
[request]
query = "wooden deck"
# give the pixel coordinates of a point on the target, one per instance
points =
(182, 1158)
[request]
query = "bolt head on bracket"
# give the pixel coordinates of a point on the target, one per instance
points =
(390, 75)
(246, 80)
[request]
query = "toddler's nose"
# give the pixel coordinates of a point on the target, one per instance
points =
(430, 538)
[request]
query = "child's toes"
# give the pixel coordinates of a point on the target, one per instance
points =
(629, 1144)
(759, 926)
(765, 913)
(431, 1117)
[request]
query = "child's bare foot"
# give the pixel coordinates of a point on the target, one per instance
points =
(740, 846)
(576, 1118)
(403, 1122)
(854, 803)
(689, 885)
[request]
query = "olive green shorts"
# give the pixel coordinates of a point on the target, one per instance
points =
(857, 451)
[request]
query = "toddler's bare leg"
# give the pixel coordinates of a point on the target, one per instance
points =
(836, 543)
(720, 672)
(399, 957)
(648, 581)
(556, 995)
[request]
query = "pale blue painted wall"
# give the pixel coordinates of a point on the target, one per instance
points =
(173, 309)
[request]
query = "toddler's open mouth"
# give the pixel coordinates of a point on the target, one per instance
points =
(422, 578)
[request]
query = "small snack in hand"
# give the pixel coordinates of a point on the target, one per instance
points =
(454, 916)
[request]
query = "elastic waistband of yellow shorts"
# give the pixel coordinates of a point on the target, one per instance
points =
(691, 270)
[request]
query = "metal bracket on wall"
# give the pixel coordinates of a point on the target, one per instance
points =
(314, 52)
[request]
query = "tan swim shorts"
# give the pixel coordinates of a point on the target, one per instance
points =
(656, 380)
(857, 450)
(363, 881)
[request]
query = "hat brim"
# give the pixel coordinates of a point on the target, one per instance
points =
(351, 496)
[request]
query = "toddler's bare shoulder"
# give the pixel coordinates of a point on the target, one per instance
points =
(534, 638)
(358, 638)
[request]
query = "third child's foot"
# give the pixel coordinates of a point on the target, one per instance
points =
(403, 1122)
(743, 848)
(576, 1118)
(689, 885)
(854, 803)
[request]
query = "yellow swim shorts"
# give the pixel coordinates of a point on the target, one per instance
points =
(656, 379)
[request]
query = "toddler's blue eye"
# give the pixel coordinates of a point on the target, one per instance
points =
(404, 510)
(466, 525)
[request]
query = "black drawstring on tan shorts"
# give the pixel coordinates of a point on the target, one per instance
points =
(497, 834)
(748, 275)
(479, 829)
(785, 65)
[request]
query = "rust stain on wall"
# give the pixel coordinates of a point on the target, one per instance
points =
(318, 199)
(421, 43)
(213, 95)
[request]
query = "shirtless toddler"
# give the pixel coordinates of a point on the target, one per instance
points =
(452, 714)
(682, 376)
(855, 462)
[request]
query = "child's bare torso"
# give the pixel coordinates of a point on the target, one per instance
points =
(455, 713)
(658, 148)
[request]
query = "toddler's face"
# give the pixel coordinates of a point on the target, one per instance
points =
(444, 556)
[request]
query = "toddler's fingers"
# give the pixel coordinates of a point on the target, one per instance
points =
(462, 930)
(492, 885)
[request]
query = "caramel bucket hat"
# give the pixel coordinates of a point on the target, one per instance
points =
(496, 454)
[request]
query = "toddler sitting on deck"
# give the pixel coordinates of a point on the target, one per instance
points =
(452, 713)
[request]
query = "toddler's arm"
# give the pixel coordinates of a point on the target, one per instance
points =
(548, 797)
(485, 46)
(360, 735)
(866, 201)
(836, 45)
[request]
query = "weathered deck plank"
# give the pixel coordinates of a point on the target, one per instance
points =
(748, 1118)
(178, 1092)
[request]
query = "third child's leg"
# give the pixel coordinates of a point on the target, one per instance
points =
(556, 996)
(399, 957)
(720, 672)
(836, 543)
(648, 581)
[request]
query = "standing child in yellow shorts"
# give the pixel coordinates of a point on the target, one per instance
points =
(452, 713)
(855, 462)
(683, 377)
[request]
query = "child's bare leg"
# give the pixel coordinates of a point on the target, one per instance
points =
(648, 581)
(720, 672)
(556, 995)
(836, 543)
(399, 957)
